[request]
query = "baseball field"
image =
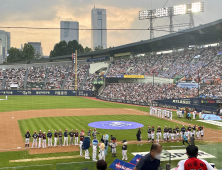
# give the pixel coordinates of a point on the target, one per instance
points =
(34, 113)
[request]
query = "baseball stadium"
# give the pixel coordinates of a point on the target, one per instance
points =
(71, 111)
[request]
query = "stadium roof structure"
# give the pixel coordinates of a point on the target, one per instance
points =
(204, 34)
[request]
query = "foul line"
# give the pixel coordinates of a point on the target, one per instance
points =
(45, 159)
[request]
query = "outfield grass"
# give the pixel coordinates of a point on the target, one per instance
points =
(15, 103)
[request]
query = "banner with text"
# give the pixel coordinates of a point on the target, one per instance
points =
(121, 165)
(46, 92)
(134, 76)
(97, 59)
(188, 85)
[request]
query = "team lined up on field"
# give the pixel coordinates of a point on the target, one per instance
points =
(167, 113)
(175, 133)
(39, 139)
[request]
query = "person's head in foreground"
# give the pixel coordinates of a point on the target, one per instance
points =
(155, 151)
(101, 165)
(193, 162)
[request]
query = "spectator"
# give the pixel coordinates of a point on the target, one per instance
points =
(193, 163)
(101, 165)
(150, 161)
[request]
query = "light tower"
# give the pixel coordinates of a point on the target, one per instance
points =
(171, 12)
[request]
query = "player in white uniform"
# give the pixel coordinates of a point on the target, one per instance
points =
(180, 113)
(194, 114)
(181, 135)
(200, 115)
(198, 134)
(155, 111)
(157, 137)
(187, 134)
(159, 112)
(152, 136)
(171, 114)
(151, 109)
(164, 137)
(202, 134)
(168, 114)
(163, 113)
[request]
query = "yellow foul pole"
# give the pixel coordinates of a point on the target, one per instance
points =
(76, 82)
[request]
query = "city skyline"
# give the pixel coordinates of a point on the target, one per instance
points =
(120, 14)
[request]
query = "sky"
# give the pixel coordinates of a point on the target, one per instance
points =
(121, 14)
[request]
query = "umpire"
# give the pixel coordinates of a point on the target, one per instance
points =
(150, 161)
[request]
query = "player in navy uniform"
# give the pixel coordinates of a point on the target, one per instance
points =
(49, 135)
(34, 141)
(60, 138)
(71, 134)
(27, 136)
(65, 138)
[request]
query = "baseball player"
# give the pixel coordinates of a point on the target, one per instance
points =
(49, 135)
(71, 134)
(178, 112)
(167, 114)
(174, 133)
(158, 131)
(65, 138)
(27, 136)
(81, 135)
(76, 134)
(44, 140)
(164, 137)
(198, 134)
(157, 137)
(55, 138)
(155, 111)
(34, 141)
(200, 115)
(202, 133)
(170, 130)
(165, 130)
(194, 129)
(159, 112)
(94, 134)
(138, 136)
(60, 138)
(149, 134)
(187, 134)
(178, 130)
(163, 113)
(152, 136)
(194, 114)
(171, 115)
(151, 109)
(40, 138)
(181, 135)
(189, 131)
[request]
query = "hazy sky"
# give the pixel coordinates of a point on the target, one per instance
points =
(120, 14)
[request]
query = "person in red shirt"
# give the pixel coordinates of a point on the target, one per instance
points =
(193, 163)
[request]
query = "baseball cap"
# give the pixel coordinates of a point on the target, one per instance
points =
(35, 131)
(27, 130)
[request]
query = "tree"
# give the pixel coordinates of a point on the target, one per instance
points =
(14, 55)
(98, 48)
(28, 52)
(87, 49)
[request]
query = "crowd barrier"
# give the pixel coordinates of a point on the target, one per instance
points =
(47, 92)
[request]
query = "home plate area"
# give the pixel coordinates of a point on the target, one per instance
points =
(178, 154)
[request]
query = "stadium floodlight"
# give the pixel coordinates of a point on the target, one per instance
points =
(170, 12)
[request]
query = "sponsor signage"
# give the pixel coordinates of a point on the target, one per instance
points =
(97, 59)
(121, 165)
(136, 159)
(188, 85)
(208, 101)
(178, 154)
(119, 76)
(46, 92)
(210, 117)
(134, 76)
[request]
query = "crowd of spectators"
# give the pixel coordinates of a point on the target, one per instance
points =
(36, 78)
(88, 85)
(56, 77)
(81, 73)
(15, 76)
(211, 92)
(146, 92)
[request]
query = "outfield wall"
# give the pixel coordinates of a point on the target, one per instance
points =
(47, 92)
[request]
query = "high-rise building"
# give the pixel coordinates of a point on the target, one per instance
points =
(98, 21)
(6, 42)
(1, 56)
(37, 47)
(69, 31)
